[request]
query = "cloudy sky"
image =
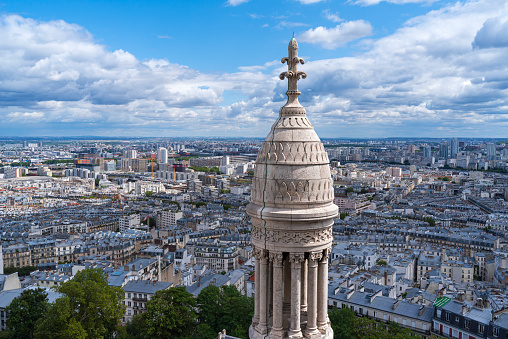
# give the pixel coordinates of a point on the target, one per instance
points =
(376, 68)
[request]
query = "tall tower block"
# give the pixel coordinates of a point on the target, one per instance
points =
(292, 214)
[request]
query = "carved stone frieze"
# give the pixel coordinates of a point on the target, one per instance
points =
(285, 191)
(292, 237)
(292, 153)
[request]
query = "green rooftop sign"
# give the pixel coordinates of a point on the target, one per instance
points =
(440, 302)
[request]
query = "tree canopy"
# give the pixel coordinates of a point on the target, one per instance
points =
(169, 314)
(24, 312)
(224, 308)
(346, 325)
(89, 306)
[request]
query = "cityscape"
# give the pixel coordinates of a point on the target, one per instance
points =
(141, 198)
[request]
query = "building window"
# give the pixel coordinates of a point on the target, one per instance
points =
(447, 316)
(496, 331)
(467, 323)
(481, 328)
(456, 319)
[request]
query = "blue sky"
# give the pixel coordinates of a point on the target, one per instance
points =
(376, 68)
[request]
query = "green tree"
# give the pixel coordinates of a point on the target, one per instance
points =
(92, 303)
(343, 322)
(148, 193)
(224, 308)
(430, 220)
(24, 312)
(59, 322)
(22, 271)
(170, 314)
(134, 329)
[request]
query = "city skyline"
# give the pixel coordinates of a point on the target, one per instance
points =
(376, 69)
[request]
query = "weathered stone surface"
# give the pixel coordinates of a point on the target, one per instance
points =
(292, 213)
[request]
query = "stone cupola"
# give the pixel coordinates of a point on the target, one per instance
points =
(292, 215)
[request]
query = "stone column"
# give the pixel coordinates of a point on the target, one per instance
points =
(296, 271)
(269, 286)
(277, 329)
(311, 329)
(304, 286)
(263, 268)
(322, 310)
(257, 257)
(287, 281)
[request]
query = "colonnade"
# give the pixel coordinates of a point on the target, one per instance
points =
(291, 293)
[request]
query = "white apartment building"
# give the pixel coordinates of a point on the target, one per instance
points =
(168, 218)
(129, 221)
(144, 186)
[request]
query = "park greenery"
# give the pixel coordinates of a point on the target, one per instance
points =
(90, 308)
(175, 313)
(430, 220)
(22, 271)
(346, 325)
(206, 169)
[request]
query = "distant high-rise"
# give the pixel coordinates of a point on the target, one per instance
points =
(411, 148)
(427, 152)
(443, 150)
(162, 155)
(130, 154)
(454, 147)
(491, 151)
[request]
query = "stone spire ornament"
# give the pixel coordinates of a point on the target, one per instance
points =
(292, 214)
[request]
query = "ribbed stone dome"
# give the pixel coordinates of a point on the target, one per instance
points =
(292, 189)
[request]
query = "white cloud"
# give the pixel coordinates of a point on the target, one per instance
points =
(333, 17)
(442, 72)
(398, 2)
(236, 2)
(425, 75)
(331, 38)
(492, 34)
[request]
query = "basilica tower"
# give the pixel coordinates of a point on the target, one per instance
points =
(292, 215)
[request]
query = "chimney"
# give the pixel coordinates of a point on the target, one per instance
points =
(487, 302)
(395, 304)
(361, 289)
(464, 309)
(420, 311)
(479, 302)
(461, 296)
(349, 294)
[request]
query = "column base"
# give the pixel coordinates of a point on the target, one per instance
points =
(255, 334)
(313, 333)
(295, 334)
(276, 333)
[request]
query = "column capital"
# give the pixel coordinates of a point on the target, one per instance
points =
(276, 258)
(315, 256)
(296, 259)
(326, 254)
(260, 254)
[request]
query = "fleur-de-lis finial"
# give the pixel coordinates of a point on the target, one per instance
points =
(292, 106)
